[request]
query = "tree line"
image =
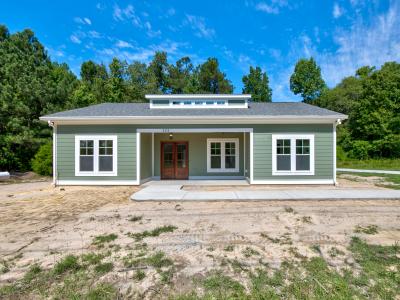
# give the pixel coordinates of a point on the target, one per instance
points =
(371, 99)
(31, 85)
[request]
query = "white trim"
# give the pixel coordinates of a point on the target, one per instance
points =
(192, 130)
(251, 157)
(334, 153)
(292, 138)
(152, 154)
(300, 181)
(244, 153)
(200, 120)
(138, 148)
(96, 139)
(55, 154)
(198, 96)
(97, 182)
(223, 141)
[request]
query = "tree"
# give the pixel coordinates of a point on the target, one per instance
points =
(212, 80)
(30, 86)
(256, 83)
(307, 80)
(157, 73)
(179, 75)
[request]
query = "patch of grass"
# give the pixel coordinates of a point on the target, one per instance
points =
(166, 276)
(289, 209)
(139, 275)
(105, 238)
(211, 248)
(153, 233)
(135, 218)
(91, 258)
(159, 260)
(266, 236)
(68, 263)
(391, 181)
(306, 219)
(369, 229)
(229, 248)
(248, 252)
(316, 248)
(371, 164)
(219, 286)
(237, 266)
(104, 268)
(104, 291)
(334, 252)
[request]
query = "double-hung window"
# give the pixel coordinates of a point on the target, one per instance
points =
(293, 154)
(222, 155)
(95, 156)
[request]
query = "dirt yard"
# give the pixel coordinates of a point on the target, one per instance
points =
(41, 224)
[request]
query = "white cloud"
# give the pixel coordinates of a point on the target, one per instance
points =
(171, 11)
(359, 45)
(100, 6)
(83, 21)
(198, 24)
(271, 7)
(75, 39)
(94, 34)
(127, 13)
(123, 44)
(150, 32)
(337, 11)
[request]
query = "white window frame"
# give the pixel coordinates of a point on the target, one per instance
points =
(293, 138)
(96, 139)
(223, 169)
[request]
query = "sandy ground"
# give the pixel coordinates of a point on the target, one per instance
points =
(39, 223)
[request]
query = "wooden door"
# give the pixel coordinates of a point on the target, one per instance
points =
(174, 160)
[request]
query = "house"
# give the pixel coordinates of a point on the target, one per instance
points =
(195, 137)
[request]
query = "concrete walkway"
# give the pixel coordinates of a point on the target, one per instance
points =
(174, 192)
(368, 171)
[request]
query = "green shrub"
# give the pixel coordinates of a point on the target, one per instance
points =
(340, 154)
(42, 163)
(360, 150)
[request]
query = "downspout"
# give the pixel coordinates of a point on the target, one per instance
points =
(337, 122)
(54, 126)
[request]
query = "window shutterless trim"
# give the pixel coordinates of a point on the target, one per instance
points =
(223, 169)
(96, 139)
(293, 138)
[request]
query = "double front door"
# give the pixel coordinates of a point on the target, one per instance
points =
(174, 160)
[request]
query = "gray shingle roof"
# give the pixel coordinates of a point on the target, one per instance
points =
(268, 110)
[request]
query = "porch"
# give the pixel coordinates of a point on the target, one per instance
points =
(211, 154)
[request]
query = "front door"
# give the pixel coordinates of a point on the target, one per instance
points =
(174, 160)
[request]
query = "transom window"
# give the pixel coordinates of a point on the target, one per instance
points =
(222, 155)
(95, 156)
(293, 155)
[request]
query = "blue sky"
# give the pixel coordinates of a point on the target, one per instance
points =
(272, 34)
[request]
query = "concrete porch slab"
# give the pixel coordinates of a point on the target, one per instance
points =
(175, 192)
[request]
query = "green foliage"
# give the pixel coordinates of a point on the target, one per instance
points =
(105, 238)
(256, 83)
(104, 268)
(68, 263)
(211, 80)
(42, 163)
(306, 80)
(360, 150)
(152, 233)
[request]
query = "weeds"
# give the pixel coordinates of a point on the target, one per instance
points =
(135, 218)
(105, 238)
(153, 233)
(139, 275)
(370, 229)
(248, 252)
(104, 268)
(229, 248)
(68, 263)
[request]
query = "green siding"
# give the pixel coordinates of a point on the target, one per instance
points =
(323, 139)
(262, 160)
(145, 156)
(126, 150)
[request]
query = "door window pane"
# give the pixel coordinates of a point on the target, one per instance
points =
(181, 155)
(86, 156)
(168, 156)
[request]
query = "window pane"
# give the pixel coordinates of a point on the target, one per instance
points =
(102, 151)
(230, 148)
(283, 146)
(109, 151)
(230, 162)
(105, 163)
(215, 162)
(86, 163)
(302, 162)
(283, 162)
(82, 144)
(90, 143)
(89, 151)
(102, 143)
(109, 143)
